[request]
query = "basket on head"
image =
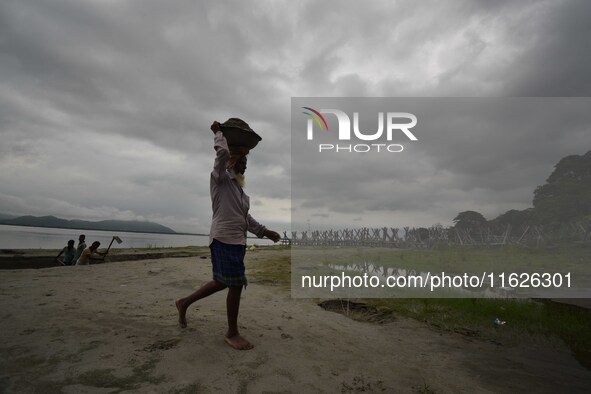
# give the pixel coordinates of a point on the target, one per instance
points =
(241, 138)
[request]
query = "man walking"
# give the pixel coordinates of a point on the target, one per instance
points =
(227, 240)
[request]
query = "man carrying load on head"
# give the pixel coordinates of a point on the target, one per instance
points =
(230, 221)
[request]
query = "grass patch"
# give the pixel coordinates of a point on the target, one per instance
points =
(269, 267)
(527, 320)
(456, 259)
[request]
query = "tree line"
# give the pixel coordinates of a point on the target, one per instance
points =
(564, 198)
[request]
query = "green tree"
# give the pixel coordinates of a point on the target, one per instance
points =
(567, 192)
(515, 218)
(469, 219)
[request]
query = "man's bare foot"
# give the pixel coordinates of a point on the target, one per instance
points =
(182, 312)
(238, 342)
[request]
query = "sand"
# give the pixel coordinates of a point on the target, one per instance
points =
(112, 328)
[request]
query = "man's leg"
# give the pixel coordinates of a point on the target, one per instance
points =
(204, 291)
(233, 337)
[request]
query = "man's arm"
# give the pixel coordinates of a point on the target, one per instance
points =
(272, 235)
(261, 231)
(94, 256)
(222, 153)
(57, 258)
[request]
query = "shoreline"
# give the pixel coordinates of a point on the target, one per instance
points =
(11, 259)
(116, 231)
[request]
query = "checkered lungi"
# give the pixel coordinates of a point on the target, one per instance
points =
(228, 263)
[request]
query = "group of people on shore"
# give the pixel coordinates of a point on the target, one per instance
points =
(80, 255)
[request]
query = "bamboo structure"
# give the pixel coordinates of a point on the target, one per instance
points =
(407, 237)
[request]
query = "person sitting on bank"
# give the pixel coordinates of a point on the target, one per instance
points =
(69, 253)
(80, 248)
(89, 254)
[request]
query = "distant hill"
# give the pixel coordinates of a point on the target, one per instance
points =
(5, 216)
(107, 225)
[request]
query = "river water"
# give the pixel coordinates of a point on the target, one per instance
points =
(21, 237)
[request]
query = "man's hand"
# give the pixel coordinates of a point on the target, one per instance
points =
(215, 127)
(272, 235)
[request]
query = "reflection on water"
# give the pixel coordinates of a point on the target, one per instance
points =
(383, 272)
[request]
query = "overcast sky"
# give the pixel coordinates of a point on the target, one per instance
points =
(479, 153)
(105, 106)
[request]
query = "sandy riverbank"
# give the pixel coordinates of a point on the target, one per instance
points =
(113, 328)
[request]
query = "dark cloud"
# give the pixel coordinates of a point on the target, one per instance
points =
(105, 107)
(484, 154)
(557, 62)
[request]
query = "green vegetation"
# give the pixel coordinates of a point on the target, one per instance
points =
(469, 219)
(508, 259)
(567, 192)
(458, 259)
(526, 320)
(271, 265)
(563, 201)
